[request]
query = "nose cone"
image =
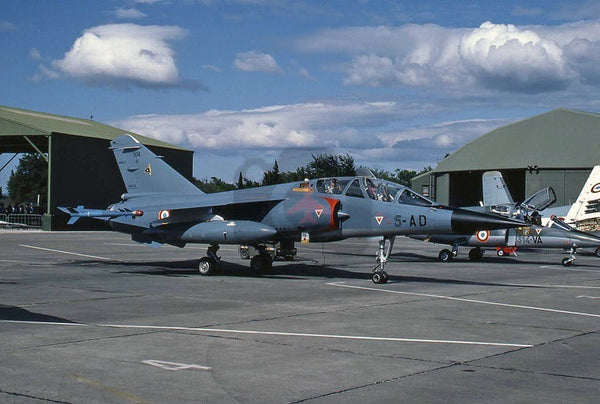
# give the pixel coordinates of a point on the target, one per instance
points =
(583, 239)
(467, 222)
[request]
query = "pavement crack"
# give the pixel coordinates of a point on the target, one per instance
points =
(31, 397)
(80, 341)
(473, 363)
(375, 383)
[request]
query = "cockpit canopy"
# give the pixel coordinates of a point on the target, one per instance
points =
(373, 188)
(559, 224)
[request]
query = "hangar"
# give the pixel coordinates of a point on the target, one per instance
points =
(557, 149)
(81, 168)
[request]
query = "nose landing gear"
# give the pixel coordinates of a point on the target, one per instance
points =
(568, 261)
(385, 248)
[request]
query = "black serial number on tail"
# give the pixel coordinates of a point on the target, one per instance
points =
(414, 221)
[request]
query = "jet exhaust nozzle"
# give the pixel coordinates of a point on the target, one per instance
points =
(468, 222)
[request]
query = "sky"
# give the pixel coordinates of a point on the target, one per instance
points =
(397, 84)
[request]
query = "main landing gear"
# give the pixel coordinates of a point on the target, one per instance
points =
(446, 255)
(211, 263)
(385, 248)
(568, 261)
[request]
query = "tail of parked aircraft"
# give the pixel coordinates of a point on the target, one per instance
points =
(144, 172)
(495, 191)
(585, 212)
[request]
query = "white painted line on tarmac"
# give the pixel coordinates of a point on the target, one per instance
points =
(327, 336)
(588, 297)
(174, 365)
(65, 252)
(546, 285)
(460, 299)
(281, 334)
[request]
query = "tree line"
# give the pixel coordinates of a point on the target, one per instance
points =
(321, 165)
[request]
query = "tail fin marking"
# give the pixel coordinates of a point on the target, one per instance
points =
(144, 172)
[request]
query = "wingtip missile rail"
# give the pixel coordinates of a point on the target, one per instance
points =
(79, 212)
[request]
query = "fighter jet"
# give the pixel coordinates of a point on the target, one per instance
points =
(161, 207)
(497, 199)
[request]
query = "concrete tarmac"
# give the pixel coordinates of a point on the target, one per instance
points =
(95, 317)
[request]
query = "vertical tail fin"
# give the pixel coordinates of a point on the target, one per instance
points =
(495, 191)
(145, 172)
(587, 205)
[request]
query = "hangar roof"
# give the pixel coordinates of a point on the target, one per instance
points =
(558, 139)
(15, 121)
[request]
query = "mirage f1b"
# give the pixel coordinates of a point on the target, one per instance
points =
(162, 207)
(497, 199)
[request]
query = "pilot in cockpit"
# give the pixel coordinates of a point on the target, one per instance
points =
(370, 188)
(333, 187)
(383, 194)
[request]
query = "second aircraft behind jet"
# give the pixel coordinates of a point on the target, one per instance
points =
(497, 199)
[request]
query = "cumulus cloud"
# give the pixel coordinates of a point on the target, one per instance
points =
(256, 62)
(125, 54)
(493, 56)
(505, 57)
(584, 57)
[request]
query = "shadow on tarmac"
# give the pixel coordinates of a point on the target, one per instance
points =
(12, 313)
(288, 271)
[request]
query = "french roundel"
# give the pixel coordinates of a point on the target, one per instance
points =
(163, 214)
(483, 235)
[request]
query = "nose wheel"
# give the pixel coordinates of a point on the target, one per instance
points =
(568, 261)
(380, 277)
(385, 248)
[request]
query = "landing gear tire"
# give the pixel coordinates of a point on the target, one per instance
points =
(445, 255)
(597, 252)
(244, 254)
(475, 254)
(567, 262)
(380, 277)
(207, 266)
(500, 253)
